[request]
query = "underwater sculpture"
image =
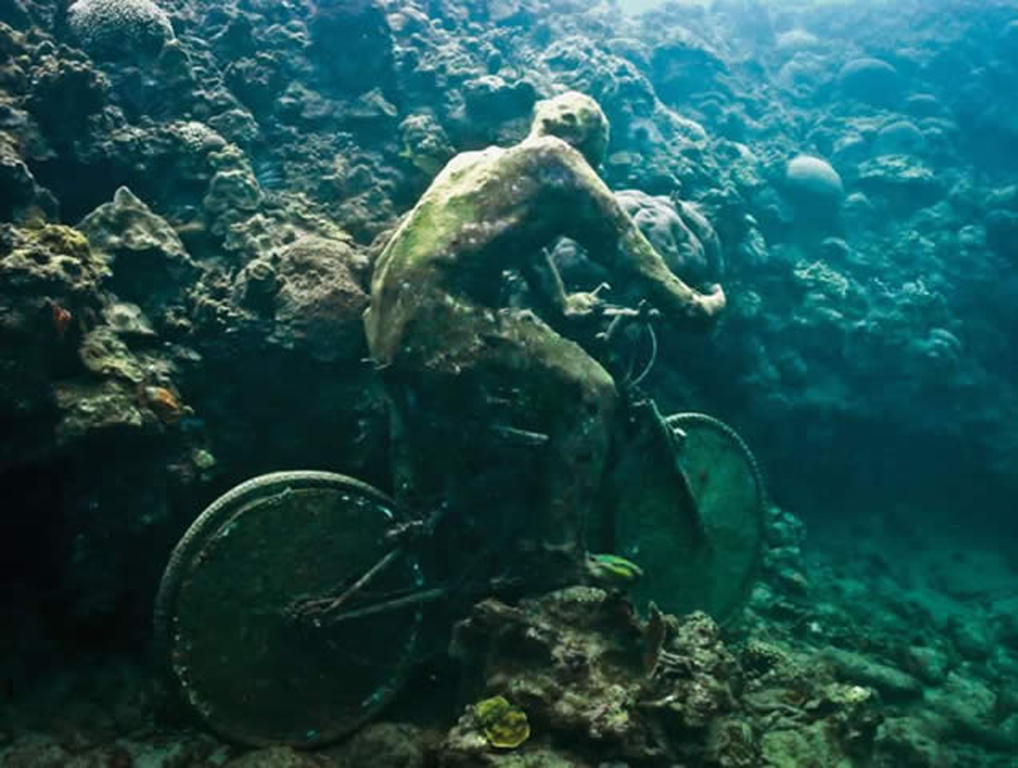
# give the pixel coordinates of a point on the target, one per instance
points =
(509, 440)
(478, 389)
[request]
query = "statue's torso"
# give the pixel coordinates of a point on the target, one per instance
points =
(481, 215)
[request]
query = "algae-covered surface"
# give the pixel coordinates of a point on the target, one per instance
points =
(389, 240)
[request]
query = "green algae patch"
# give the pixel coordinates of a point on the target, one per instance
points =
(505, 726)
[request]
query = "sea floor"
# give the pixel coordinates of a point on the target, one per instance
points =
(927, 620)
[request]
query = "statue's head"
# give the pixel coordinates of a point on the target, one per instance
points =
(576, 119)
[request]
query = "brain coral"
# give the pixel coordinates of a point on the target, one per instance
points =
(680, 233)
(109, 29)
(871, 80)
(811, 184)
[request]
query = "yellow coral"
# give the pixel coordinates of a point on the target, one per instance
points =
(504, 725)
(63, 239)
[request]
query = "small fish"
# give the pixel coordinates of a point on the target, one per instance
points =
(61, 320)
(613, 571)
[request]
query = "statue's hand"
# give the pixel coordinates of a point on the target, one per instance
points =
(714, 301)
(581, 305)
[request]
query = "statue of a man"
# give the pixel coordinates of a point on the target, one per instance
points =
(496, 413)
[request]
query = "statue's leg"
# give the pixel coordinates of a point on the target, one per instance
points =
(514, 432)
(561, 392)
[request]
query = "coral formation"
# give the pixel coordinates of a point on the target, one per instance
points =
(119, 28)
(319, 302)
(503, 725)
(149, 263)
(869, 79)
(813, 185)
(680, 233)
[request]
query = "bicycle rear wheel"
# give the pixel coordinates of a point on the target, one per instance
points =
(709, 566)
(224, 615)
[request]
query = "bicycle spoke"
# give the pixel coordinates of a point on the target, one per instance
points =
(397, 604)
(318, 608)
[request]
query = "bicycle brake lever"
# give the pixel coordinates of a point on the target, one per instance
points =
(646, 312)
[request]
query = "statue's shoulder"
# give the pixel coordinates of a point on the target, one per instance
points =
(548, 145)
(465, 161)
(555, 153)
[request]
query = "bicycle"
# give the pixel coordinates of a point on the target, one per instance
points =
(296, 605)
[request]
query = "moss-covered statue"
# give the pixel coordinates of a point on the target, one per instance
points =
(496, 412)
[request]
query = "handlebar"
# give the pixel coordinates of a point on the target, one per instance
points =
(617, 315)
(643, 311)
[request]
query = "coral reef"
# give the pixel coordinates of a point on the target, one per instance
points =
(193, 195)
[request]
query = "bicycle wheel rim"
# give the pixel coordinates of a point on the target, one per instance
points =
(247, 669)
(715, 570)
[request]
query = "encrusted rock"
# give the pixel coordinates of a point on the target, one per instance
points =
(352, 41)
(902, 179)
(579, 663)
(91, 408)
(731, 743)
(491, 98)
(685, 65)
(905, 741)
(695, 677)
(65, 94)
(233, 195)
(17, 185)
(128, 320)
(103, 353)
(319, 305)
(386, 745)
(233, 190)
(968, 709)
(150, 265)
(894, 684)
(49, 296)
(274, 757)
(425, 144)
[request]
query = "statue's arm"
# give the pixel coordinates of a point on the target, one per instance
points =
(595, 219)
(545, 284)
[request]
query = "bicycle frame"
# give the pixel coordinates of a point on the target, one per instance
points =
(328, 611)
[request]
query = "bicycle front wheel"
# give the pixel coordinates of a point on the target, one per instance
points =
(224, 612)
(699, 548)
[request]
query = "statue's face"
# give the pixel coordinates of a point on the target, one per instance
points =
(576, 119)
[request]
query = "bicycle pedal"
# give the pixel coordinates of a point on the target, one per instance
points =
(521, 437)
(403, 531)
